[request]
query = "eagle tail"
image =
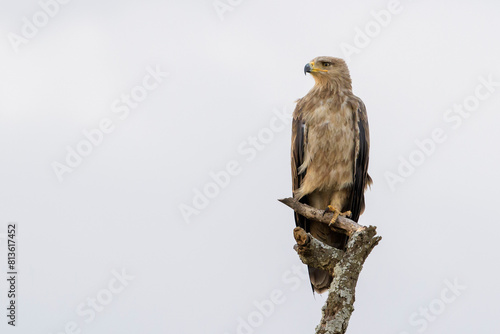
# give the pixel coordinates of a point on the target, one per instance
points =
(320, 279)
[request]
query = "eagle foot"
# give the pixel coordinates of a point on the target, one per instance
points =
(336, 214)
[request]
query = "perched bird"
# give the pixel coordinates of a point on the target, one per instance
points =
(330, 144)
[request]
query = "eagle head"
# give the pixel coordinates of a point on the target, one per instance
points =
(327, 69)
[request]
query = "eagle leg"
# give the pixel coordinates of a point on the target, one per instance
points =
(336, 213)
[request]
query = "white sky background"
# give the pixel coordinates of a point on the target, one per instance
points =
(120, 208)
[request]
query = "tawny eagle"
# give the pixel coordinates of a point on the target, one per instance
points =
(330, 144)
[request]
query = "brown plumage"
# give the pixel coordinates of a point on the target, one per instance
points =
(330, 144)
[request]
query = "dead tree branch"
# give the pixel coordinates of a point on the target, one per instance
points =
(309, 212)
(345, 265)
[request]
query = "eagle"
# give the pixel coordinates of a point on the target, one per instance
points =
(330, 146)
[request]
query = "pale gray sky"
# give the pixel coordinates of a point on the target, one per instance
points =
(116, 116)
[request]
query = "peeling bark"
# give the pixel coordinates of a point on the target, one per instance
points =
(346, 266)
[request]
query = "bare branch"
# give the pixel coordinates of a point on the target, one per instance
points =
(346, 265)
(309, 212)
(341, 295)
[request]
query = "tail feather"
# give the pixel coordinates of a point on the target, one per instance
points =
(320, 279)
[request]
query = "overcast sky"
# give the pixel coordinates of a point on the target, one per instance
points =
(144, 145)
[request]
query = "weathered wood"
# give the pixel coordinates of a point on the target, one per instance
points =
(309, 212)
(345, 265)
(314, 253)
(341, 295)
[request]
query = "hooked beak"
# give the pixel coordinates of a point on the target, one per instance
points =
(309, 68)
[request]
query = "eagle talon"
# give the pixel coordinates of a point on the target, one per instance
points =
(336, 214)
(329, 208)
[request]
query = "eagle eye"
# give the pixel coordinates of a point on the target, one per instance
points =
(326, 64)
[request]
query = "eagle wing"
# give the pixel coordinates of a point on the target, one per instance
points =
(361, 178)
(299, 139)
